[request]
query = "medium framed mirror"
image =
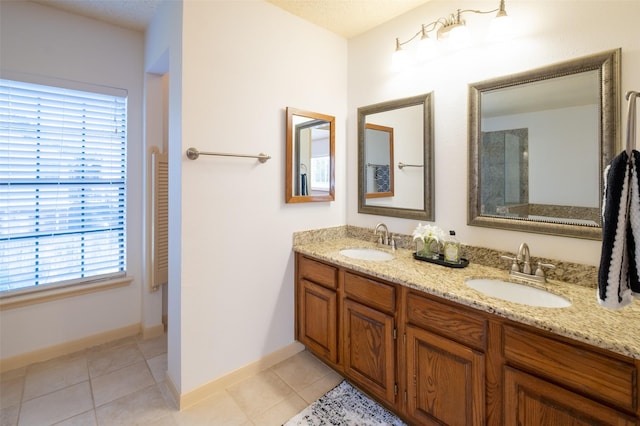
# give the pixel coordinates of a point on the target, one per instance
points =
(310, 156)
(539, 142)
(395, 158)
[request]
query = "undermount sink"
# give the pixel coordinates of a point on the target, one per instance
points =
(366, 254)
(518, 293)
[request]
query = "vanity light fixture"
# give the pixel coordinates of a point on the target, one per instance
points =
(454, 30)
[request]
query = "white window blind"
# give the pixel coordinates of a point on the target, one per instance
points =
(62, 185)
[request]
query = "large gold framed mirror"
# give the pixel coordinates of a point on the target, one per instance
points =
(539, 142)
(395, 158)
(310, 156)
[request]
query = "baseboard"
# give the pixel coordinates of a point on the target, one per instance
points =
(190, 398)
(66, 348)
(173, 390)
(152, 332)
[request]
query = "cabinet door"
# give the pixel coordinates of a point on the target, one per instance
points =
(369, 350)
(530, 401)
(318, 320)
(445, 380)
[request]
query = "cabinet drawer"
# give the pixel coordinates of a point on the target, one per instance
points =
(454, 323)
(318, 272)
(572, 365)
(369, 292)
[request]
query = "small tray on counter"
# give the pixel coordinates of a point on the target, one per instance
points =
(440, 261)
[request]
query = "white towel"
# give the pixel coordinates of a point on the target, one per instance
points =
(618, 280)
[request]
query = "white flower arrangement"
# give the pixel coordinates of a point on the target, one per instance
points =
(428, 233)
(428, 239)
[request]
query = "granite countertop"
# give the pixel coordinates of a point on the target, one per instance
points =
(585, 320)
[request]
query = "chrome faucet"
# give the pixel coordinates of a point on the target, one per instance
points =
(386, 238)
(382, 240)
(525, 272)
(524, 256)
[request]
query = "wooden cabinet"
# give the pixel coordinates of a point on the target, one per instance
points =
(318, 320)
(530, 401)
(349, 321)
(317, 308)
(445, 380)
(369, 335)
(445, 366)
(452, 364)
(554, 381)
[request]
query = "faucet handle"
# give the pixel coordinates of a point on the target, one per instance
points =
(515, 267)
(540, 270)
(392, 241)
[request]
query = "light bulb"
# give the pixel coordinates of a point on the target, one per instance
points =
(427, 48)
(399, 60)
(501, 28)
(459, 37)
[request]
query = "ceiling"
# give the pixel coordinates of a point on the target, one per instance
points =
(132, 14)
(347, 18)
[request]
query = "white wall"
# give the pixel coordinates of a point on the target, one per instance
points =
(163, 55)
(231, 280)
(39, 40)
(547, 32)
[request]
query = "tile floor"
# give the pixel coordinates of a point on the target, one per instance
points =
(123, 383)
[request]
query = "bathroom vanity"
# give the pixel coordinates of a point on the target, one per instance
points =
(414, 337)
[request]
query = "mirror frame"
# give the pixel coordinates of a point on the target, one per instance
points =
(608, 65)
(428, 211)
(289, 172)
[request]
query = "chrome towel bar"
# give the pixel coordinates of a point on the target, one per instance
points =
(402, 165)
(631, 96)
(193, 154)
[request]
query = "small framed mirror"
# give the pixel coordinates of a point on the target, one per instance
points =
(310, 157)
(395, 158)
(379, 158)
(539, 142)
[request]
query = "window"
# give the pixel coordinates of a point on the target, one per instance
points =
(62, 186)
(320, 173)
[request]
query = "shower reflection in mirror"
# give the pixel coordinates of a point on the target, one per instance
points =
(504, 166)
(539, 142)
(550, 129)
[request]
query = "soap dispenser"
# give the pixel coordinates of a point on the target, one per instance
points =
(452, 248)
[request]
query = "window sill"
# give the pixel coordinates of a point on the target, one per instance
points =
(19, 300)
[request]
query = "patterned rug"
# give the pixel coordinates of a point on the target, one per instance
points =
(344, 405)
